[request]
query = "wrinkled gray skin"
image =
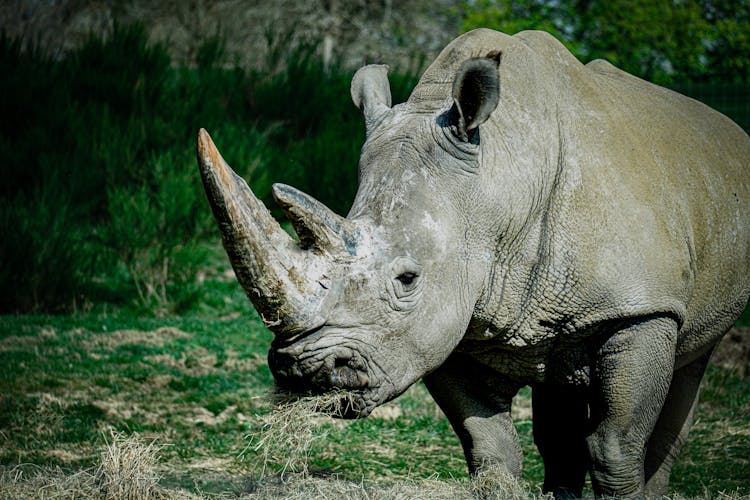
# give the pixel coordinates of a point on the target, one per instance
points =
(522, 220)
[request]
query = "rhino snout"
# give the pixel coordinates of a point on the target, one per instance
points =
(337, 370)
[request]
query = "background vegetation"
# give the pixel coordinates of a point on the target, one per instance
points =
(133, 321)
(663, 41)
(102, 204)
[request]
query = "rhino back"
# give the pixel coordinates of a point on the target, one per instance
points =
(666, 199)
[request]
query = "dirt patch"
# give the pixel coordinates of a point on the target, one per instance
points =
(206, 417)
(19, 343)
(235, 363)
(733, 352)
(387, 412)
(212, 464)
(64, 456)
(196, 362)
(153, 338)
(200, 361)
(117, 410)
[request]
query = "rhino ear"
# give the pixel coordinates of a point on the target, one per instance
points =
(476, 92)
(371, 92)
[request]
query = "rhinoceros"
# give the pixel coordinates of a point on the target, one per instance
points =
(522, 219)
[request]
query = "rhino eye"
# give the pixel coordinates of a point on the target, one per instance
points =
(407, 278)
(405, 285)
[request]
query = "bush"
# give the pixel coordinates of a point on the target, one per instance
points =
(41, 250)
(101, 175)
(153, 230)
(98, 153)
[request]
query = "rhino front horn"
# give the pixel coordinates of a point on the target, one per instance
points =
(286, 284)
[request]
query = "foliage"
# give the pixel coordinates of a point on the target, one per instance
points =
(317, 132)
(728, 49)
(103, 201)
(512, 16)
(42, 250)
(93, 129)
(663, 41)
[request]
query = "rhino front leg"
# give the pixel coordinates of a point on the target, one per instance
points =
(632, 371)
(477, 404)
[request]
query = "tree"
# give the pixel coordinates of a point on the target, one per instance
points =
(660, 40)
(728, 50)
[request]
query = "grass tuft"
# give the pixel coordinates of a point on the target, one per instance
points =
(30, 481)
(127, 471)
(128, 468)
(494, 482)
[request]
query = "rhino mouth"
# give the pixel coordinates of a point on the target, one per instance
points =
(317, 364)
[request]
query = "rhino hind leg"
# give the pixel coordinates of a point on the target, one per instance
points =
(674, 423)
(560, 426)
(477, 405)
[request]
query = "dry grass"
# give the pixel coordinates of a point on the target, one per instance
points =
(285, 436)
(128, 468)
(493, 484)
(284, 441)
(34, 482)
(127, 471)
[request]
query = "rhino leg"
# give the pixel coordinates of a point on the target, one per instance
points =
(674, 423)
(561, 422)
(477, 404)
(631, 374)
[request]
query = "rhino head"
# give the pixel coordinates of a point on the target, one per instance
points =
(372, 302)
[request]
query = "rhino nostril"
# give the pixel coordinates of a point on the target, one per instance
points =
(341, 362)
(345, 377)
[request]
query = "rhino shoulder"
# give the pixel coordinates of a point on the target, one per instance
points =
(549, 48)
(604, 66)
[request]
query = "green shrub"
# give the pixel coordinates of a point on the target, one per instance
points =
(98, 153)
(43, 258)
(123, 72)
(151, 226)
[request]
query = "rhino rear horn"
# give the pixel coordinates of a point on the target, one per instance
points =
(318, 227)
(476, 93)
(285, 284)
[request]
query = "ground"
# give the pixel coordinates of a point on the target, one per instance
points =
(192, 394)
